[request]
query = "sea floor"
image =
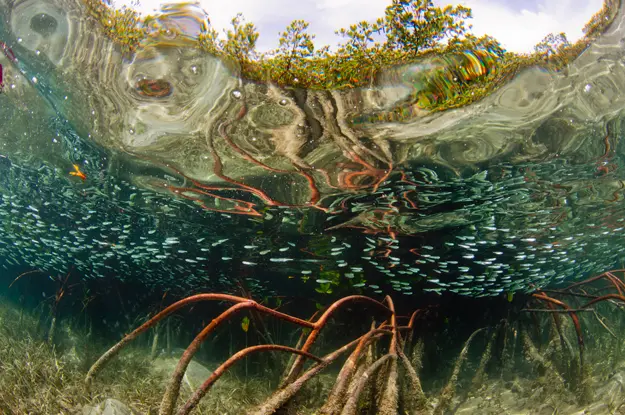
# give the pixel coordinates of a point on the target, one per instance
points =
(37, 377)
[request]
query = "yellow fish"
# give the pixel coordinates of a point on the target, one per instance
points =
(78, 173)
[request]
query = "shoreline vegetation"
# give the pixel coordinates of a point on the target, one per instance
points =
(461, 68)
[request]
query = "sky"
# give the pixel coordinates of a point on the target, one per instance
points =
(517, 24)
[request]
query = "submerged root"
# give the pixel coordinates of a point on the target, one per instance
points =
(172, 392)
(480, 373)
(351, 405)
(383, 378)
(450, 389)
(390, 398)
(278, 399)
(414, 395)
(217, 373)
(532, 354)
(335, 399)
(154, 350)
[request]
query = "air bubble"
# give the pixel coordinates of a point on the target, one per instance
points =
(236, 94)
(170, 34)
(283, 102)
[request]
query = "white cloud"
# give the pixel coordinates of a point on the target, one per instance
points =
(517, 29)
(520, 30)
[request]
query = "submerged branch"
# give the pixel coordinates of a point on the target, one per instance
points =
(217, 373)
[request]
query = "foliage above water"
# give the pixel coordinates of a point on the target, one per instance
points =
(409, 31)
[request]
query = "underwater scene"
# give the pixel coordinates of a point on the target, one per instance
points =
(416, 222)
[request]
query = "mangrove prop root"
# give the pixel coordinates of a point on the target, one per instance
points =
(217, 373)
(394, 339)
(168, 331)
(417, 354)
(390, 397)
(411, 324)
(154, 351)
(450, 389)
(565, 344)
(351, 406)
(97, 366)
(369, 359)
(608, 275)
(615, 283)
(390, 394)
(416, 397)
(534, 356)
(480, 373)
(594, 296)
(574, 317)
(279, 398)
(604, 298)
(334, 400)
(600, 320)
(557, 324)
(360, 370)
(173, 388)
(52, 330)
(298, 345)
(319, 324)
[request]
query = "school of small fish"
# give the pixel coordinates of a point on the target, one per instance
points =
(475, 236)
